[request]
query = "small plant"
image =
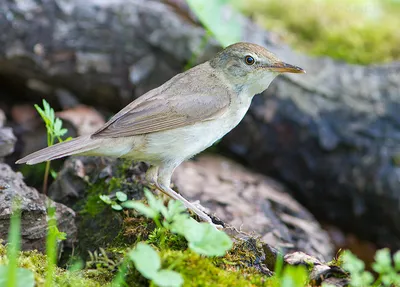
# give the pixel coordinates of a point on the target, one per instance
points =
(54, 131)
(100, 260)
(115, 204)
(388, 271)
(202, 238)
(53, 236)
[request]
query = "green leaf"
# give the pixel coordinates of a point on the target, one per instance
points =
(116, 207)
(57, 126)
(61, 235)
(53, 173)
(62, 132)
(358, 277)
(362, 279)
(41, 112)
(294, 276)
(168, 278)
(141, 208)
(25, 277)
(396, 259)
(383, 261)
(154, 203)
(121, 196)
(146, 260)
(351, 263)
(205, 239)
(184, 226)
(49, 112)
(224, 26)
(106, 199)
(174, 210)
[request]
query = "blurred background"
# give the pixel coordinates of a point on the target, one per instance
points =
(331, 137)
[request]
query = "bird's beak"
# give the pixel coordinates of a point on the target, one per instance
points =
(282, 67)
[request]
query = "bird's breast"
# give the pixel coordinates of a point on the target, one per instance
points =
(184, 142)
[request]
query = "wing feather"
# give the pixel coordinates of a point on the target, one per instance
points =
(166, 108)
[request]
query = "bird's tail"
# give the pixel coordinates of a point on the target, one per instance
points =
(75, 146)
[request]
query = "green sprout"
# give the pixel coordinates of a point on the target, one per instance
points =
(53, 236)
(55, 131)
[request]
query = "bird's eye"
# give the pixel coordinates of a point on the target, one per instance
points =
(249, 60)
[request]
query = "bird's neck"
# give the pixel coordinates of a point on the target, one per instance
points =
(248, 88)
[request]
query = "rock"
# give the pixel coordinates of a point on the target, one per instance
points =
(7, 141)
(252, 203)
(33, 208)
(2, 118)
(7, 138)
(319, 272)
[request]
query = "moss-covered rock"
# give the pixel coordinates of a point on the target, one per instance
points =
(36, 262)
(106, 235)
(356, 31)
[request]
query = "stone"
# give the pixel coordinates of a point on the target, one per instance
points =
(33, 212)
(252, 203)
(7, 141)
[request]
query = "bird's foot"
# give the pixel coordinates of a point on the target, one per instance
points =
(198, 205)
(209, 220)
(201, 212)
(195, 207)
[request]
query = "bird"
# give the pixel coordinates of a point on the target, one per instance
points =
(180, 118)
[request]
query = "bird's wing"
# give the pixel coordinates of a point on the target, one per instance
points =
(166, 111)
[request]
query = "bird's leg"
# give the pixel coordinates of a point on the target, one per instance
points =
(163, 184)
(151, 178)
(151, 175)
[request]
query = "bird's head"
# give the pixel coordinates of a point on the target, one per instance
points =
(250, 68)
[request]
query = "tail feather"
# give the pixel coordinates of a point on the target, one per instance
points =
(75, 146)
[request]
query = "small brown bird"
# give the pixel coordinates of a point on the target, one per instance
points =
(182, 117)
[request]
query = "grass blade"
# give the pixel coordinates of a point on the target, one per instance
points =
(14, 243)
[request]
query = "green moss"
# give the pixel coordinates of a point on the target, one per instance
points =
(201, 271)
(92, 205)
(102, 225)
(164, 239)
(36, 262)
(357, 31)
